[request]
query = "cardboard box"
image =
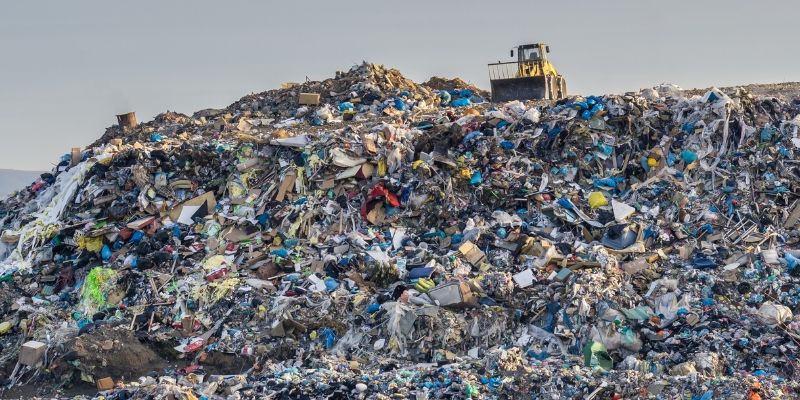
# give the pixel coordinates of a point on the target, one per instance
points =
(105, 383)
(32, 353)
(472, 253)
(127, 120)
(308, 99)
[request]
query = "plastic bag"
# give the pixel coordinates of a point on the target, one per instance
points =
(774, 314)
(461, 103)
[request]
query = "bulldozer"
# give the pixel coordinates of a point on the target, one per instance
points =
(531, 77)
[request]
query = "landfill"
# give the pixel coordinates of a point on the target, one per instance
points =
(370, 237)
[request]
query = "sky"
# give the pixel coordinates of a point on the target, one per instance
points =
(68, 67)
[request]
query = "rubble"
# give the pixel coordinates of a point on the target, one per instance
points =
(390, 239)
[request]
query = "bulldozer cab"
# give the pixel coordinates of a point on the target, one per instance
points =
(531, 52)
(532, 76)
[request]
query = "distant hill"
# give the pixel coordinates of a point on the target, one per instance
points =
(12, 179)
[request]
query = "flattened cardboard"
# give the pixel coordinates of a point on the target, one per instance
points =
(141, 223)
(524, 278)
(286, 185)
(104, 383)
(472, 253)
(308, 99)
(205, 201)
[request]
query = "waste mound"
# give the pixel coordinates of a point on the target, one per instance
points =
(369, 237)
(452, 84)
(363, 84)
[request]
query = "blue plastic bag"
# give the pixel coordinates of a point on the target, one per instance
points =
(329, 336)
(507, 145)
(281, 252)
(331, 284)
(346, 106)
(688, 156)
(462, 102)
(105, 253)
(136, 236)
(476, 178)
(791, 261)
(471, 135)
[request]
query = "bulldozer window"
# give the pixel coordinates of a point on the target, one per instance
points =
(531, 54)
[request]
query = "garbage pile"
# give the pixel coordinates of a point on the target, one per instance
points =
(389, 240)
(368, 86)
(454, 84)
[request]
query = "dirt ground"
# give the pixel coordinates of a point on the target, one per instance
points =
(41, 392)
(114, 352)
(117, 353)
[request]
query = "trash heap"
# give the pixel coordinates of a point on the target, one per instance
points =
(390, 240)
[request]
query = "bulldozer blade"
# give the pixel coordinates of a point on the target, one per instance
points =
(528, 88)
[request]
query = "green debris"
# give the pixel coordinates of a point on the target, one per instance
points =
(93, 294)
(595, 355)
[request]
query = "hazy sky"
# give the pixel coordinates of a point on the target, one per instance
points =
(67, 67)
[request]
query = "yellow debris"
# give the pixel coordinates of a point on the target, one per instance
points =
(597, 199)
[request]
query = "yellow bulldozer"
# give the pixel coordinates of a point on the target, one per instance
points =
(531, 77)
